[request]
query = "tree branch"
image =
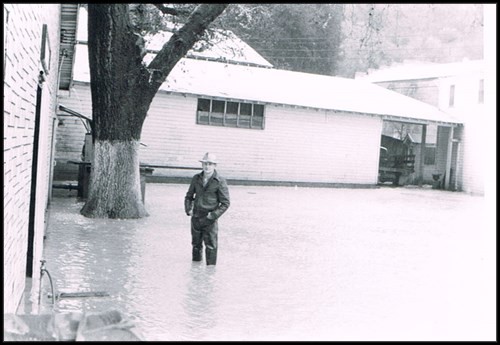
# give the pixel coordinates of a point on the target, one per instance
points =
(183, 40)
(171, 11)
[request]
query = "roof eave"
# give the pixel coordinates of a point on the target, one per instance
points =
(69, 25)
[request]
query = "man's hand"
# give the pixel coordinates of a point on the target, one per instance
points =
(210, 216)
(190, 213)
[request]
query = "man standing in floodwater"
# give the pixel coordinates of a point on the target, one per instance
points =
(206, 200)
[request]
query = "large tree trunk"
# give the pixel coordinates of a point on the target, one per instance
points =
(120, 100)
(115, 170)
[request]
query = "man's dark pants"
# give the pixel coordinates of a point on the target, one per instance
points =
(204, 230)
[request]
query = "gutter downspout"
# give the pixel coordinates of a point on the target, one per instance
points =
(34, 170)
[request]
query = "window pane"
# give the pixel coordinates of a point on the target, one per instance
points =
(203, 117)
(231, 120)
(203, 104)
(216, 118)
(258, 110)
(244, 121)
(232, 108)
(430, 155)
(246, 108)
(230, 114)
(218, 106)
(257, 121)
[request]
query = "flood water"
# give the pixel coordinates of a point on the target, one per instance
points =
(293, 264)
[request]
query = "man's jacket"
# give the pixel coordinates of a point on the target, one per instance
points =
(214, 197)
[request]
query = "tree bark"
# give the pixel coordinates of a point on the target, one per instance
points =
(115, 170)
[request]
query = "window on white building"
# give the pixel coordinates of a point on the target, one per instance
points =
(431, 137)
(481, 91)
(452, 95)
(430, 154)
(214, 112)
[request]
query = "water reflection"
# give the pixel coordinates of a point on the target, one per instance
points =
(92, 256)
(199, 302)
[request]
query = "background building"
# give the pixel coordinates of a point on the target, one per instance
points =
(457, 89)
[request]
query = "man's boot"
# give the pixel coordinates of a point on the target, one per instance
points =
(197, 254)
(211, 256)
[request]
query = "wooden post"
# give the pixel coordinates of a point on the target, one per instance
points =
(456, 164)
(448, 160)
(422, 156)
(89, 148)
(85, 167)
(52, 161)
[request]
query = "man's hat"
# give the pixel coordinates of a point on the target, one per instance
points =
(209, 158)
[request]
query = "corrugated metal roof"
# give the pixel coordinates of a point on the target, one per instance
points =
(269, 85)
(69, 24)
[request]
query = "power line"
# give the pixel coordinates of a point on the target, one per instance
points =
(367, 50)
(351, 58)
(326, 38)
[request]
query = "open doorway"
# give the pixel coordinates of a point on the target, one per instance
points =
(397, 154)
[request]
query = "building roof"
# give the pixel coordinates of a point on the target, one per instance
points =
(421, 70)
(275, 86)
(224, 45)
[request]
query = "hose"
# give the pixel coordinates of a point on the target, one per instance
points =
(42, 271)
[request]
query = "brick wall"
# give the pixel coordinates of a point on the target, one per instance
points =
(22, 38)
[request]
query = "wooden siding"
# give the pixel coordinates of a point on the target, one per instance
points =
(71, 131)
(301, 145)
(23, 36)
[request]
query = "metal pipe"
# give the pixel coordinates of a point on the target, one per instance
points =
(42, 271)
(88, 125)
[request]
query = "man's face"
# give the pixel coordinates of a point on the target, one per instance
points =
(208, 167)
